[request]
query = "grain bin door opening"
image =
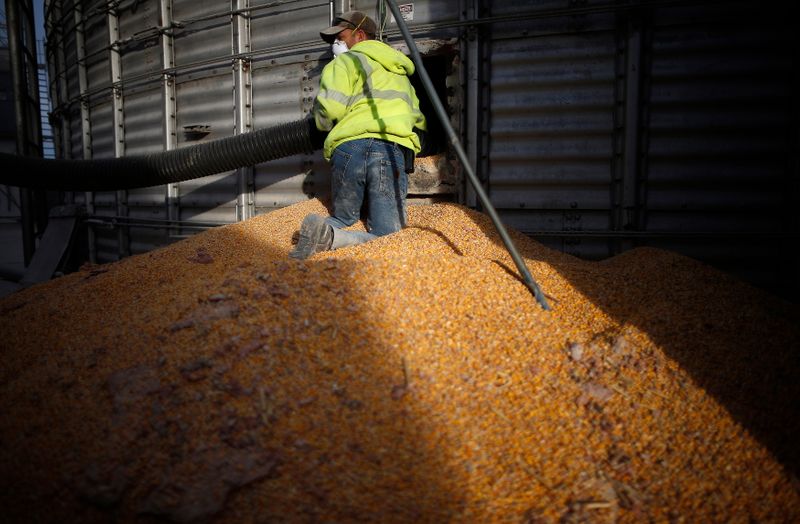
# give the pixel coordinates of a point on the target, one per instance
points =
(435, 175)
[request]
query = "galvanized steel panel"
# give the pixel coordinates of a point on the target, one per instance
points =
(278, 92)
(106, 246)
(70, 73)
(211, 191)
(203, 212)
(291, 180)
(533, 19)
(145, 239)
(138, 20)
(96, 41)
(551, 126)
(102, 131)
(105, 203)
(288, 23)
(719, 110)
(208, 102)
(560, 230)
(73, 116)
(140, 51)
(144, 122)
(421, 12)
(515, 8)
(203, 33)
(148, 198)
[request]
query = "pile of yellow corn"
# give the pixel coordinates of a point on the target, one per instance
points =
(410, 379)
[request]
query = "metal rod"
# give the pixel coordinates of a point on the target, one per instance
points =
(20, 89)
(454, 141)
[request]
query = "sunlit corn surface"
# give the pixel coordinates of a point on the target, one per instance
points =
(410, 379)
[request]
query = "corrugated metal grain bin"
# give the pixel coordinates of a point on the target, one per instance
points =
(596, 126)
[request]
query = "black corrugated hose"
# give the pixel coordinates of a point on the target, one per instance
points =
(186, 163)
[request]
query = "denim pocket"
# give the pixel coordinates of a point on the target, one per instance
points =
(390, 170)
(385, 178)
(339, 162)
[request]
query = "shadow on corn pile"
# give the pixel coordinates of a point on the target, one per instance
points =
(413, 378)
(737, 343)
(217, 372)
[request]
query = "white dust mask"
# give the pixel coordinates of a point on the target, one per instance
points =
(338, 47)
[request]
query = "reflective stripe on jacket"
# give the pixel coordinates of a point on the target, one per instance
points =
(366, 93)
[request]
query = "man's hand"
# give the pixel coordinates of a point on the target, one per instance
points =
(317, 136)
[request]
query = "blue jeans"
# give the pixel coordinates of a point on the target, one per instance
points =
(372, 170)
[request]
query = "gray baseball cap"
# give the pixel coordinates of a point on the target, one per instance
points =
(349, 20)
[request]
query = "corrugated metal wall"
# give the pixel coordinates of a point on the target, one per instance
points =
(189, 71)
(551, 118)
(721, 127)
(596, 126)
(673, 126)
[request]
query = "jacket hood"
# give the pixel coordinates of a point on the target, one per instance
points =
(392, 60)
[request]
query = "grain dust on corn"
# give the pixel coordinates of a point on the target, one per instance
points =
(410, 379)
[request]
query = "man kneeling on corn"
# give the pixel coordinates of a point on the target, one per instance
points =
(370, 111)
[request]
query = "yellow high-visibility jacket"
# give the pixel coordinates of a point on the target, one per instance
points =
(366, 93)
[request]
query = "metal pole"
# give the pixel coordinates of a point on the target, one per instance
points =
(243, 104)
(453, 137)
(15, 51)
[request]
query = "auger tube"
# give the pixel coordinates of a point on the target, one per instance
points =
(167, 167)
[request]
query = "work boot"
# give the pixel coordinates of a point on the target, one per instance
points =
(315, 236)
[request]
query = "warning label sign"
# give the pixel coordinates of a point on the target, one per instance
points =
(406, 11)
